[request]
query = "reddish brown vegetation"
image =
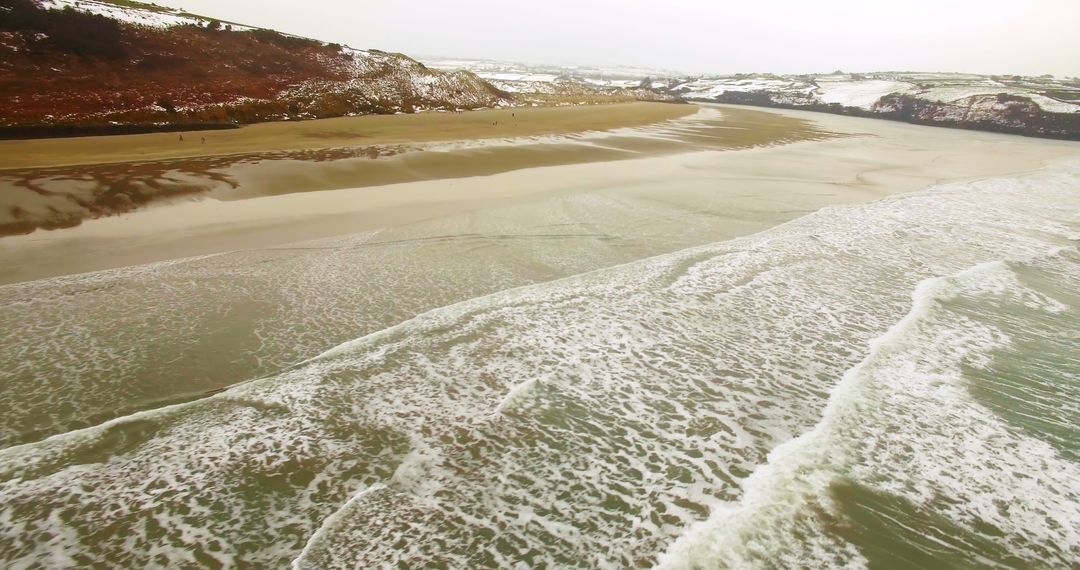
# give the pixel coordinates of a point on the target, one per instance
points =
(156, 72)
(68, 73)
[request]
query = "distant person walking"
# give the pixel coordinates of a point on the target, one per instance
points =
(181, 138)
(204, 140)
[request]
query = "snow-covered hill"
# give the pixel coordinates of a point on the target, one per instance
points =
(104, 66)
(555, 83)
(87, 66)
(149, 15)
(866, 91)
(91, 66)
(1038, 106)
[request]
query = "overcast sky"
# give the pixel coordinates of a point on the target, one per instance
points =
(719, 36)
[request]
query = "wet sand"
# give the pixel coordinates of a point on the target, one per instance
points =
(370, 130)
(64, 196)
(766, 184)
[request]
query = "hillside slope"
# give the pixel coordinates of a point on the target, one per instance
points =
(1034, 106)
(95, 65)
(553, 84)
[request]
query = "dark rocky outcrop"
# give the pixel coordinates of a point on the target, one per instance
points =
(1008, 114)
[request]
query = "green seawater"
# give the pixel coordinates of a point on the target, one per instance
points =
(893, 384)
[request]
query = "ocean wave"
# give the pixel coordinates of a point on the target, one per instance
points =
(593, 420)
(902, 422)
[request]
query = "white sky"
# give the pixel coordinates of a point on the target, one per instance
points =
(720, 36)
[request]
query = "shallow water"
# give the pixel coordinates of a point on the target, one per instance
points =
(884, 385)
(65, 196)
(78, 350)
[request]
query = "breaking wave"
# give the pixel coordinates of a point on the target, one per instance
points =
(716, 407)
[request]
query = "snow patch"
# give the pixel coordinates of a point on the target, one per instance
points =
(164, 18)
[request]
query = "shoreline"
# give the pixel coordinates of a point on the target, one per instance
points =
(355, 261)
(46, 132)
(64, 197)
(874, 159)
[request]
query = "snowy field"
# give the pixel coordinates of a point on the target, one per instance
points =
(162, 18)
(865, 91)
(862, 94)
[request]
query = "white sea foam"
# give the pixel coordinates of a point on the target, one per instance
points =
(328, 525)
(902, 422)
(670, 391)
(76, 349)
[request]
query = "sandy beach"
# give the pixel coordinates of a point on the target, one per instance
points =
(51, 197)
(740, 153)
